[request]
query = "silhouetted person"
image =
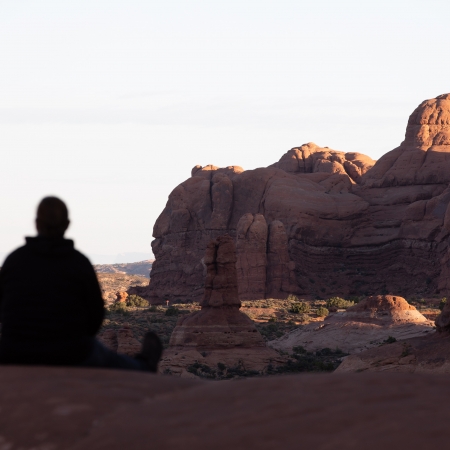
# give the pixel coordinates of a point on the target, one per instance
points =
(51, 306)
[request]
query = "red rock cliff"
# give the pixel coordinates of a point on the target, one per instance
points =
(318, 221)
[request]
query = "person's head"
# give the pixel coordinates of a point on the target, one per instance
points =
(52, 218)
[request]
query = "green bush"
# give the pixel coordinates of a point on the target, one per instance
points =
(322, 311)
(136, 301)
(119, 308)
(299, 350)
(390, 340)
(300, 308)
(339, 303)
(172, 311)
(442, 303)
(292, 298)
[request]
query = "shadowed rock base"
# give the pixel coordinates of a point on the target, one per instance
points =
(429, 354)
(82, 409)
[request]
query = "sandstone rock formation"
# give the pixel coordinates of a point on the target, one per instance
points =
(121, 297)
(337, 223)
(365, 325)
(74, 408)
(219, 324)
(218, 332)
(429, 354)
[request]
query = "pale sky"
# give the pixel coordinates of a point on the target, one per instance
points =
(109, 104)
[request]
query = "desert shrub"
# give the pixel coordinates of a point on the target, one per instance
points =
(338, 302)
(172, 311)
(442, 303)
(299, 350)
(136, 301)
(324, 360)
(390, 340)
(119, 308)
(292, 298)
(322, 311)
(153, 308)
(300, 308)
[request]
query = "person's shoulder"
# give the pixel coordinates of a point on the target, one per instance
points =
(16, 254)
(81, 257)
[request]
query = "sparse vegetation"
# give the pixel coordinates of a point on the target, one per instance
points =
(442, 303)
(118, 308)
(134, 301)
(300, 308)
(322, 311)
(339, 303)
(324, 360)
(390, 340)
(172, 311)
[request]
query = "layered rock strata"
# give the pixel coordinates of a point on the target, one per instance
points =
(337, 223)
(367, 324)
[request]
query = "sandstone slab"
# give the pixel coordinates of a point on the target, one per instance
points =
(365, 325)
(62, 408)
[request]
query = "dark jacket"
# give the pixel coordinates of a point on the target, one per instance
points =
(51, 304)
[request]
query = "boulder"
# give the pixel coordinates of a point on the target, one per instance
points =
(333, 223)
(369, 323)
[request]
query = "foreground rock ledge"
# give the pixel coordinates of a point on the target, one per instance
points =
(62, 408)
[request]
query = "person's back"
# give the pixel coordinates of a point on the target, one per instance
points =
(51, 306)
(50, 300)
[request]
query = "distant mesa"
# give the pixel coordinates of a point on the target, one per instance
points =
(318, 222)
(370, 323)
(141, 268)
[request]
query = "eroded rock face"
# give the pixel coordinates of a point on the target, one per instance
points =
(334, 223)
(251, 253)
(219, 332)
(365, 325)
(219, 324)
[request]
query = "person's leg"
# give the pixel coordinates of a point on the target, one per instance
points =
(101, 356)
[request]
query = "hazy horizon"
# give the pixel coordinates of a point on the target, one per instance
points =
(110, 104)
